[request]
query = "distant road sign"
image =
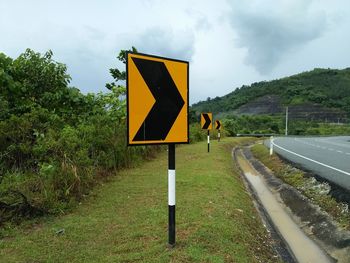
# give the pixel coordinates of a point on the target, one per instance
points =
(157, 100)
(206, 121)
(217, 124)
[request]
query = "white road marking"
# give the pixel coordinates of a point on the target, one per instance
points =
(334, 143)
(318, 146)
(311, 160)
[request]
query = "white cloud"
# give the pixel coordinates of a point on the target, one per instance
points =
(167, 42)
(228, 42)
(270, 29)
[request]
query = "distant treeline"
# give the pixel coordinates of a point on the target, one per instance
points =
(312, 97)
(265, 124)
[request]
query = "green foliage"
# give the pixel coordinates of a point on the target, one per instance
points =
(34, 80)
(300, 127)
(196, 133)
(261, 124)
(55, 142)
(115, 72)
(193, 116)
(328, 87)
(232, 126)
(264, 124)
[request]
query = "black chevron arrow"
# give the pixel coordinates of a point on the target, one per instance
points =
(168, 105)
(218, 125)
(207, 121)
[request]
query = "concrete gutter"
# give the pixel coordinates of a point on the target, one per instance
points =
(270, 195)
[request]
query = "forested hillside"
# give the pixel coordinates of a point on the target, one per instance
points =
(318, 103)
(329, 88)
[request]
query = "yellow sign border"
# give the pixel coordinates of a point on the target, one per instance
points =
(210, 114)
(220, 125)
(169, 62)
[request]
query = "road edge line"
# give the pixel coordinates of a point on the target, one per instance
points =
(311, 160)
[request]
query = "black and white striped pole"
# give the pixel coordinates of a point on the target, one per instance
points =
(208, 140)
(171, 193)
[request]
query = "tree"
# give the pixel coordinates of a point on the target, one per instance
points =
(115, 102)
(33, 80)
(192, 116)
(115, 72)
(39, 73)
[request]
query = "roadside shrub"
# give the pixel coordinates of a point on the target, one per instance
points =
(55, 142)
(196, 133)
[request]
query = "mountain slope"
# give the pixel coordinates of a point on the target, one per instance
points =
(318, 91)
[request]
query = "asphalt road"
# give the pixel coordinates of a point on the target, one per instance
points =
(328, 157)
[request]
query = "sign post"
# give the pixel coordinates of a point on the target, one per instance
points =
(157, 110)
(206, 124)
(171, 193)
(208, 141)
(218, 126)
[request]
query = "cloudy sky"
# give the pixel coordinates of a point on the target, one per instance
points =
(229, 43)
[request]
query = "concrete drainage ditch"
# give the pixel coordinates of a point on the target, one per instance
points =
(308, 234)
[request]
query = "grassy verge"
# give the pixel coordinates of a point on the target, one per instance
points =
(126, 219)
(314, 190)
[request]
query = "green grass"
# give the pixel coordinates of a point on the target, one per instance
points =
(125, 220)
(298, 179)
